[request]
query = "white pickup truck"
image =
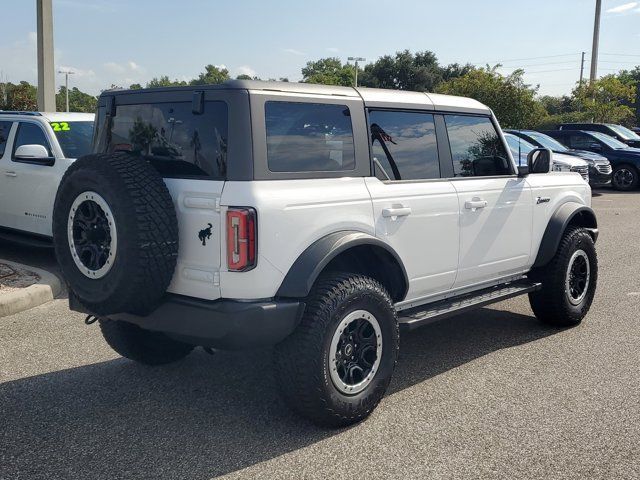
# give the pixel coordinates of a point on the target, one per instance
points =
(323, 220)
(35, 151)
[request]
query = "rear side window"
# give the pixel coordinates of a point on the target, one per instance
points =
(309, 137)
(5, 127)
(403, 145)
(580, 142)
(476, 148)
(31, 134)
(176, 141)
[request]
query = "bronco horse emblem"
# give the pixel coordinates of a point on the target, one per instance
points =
(205, 234)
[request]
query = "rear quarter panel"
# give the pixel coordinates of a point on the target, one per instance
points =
(292, 214)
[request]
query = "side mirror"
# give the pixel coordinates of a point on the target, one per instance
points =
(539, 160)
(523, 170)
(33, 153)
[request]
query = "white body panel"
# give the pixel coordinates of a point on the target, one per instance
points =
(292, 214)
(427, 239)
(495, 239)
(197, 204)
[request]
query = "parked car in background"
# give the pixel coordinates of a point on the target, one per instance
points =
(625, 160)
(599, 166)
(35, 151)
(635, 130)
(623, 134)
(520, 148)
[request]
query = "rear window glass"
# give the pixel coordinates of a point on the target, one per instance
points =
(176, 141)
(309, 137)
(5, 127)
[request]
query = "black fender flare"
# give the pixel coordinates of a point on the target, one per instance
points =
(557, 225)
(305, 270)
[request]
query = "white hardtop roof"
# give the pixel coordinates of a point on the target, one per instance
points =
(67, 116)
(373, 97)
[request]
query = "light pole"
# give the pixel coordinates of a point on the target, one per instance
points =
(66, 84)
(46, 70)
(596, 41)
(356, 59)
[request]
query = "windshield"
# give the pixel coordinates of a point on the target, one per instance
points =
(74, 137)
(609, 141)
(547, 142)
(624, 132)
(513, 141)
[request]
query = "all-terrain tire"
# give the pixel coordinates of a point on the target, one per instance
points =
(624, 177)
(303, 360)
(142, 346)
(555, 304)
(147, 233)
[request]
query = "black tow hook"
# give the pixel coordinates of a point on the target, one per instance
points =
(91, 319)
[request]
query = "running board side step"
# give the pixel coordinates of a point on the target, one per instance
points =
(423, 315)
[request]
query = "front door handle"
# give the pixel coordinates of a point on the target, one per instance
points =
(11, 174)
(475, 204)
(396, 212)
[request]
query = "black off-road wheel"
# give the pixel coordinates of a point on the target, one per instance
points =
(568, 281)
(336, 367)
(115, 233)
(142, 346)
(624, 177)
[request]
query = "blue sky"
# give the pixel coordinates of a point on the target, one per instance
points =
(123, 41)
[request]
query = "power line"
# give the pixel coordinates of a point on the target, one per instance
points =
(531, 58)
(621, 54)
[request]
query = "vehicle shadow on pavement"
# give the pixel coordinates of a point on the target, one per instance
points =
(204, 416)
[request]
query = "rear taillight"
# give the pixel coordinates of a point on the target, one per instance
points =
(241, 239)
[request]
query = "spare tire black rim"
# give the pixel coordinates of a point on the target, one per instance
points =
(355, 352)
(92, 235)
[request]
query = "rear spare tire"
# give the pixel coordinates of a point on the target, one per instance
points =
(115, 233)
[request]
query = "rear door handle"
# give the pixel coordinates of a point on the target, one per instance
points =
(475, 204)
(11, 174)
(396, 212)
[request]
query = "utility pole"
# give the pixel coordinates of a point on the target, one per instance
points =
(66, 85)
(356, 59)
(46, 69)
(596, 41)
(582, 68)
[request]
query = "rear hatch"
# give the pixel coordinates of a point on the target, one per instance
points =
(186, 141)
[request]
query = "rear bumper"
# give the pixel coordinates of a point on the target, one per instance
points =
(222, 324)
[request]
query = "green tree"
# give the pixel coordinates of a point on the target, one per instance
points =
(512, 101)
(328, 71)
(404, 71)
(78, 101)
(135, 86)
(164, 81)
(606, 100)
(21, 96)
(211, 75)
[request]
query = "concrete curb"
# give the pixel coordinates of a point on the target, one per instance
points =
(44, 291)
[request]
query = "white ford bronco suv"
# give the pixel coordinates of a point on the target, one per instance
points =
(36, 148)
(323, 220)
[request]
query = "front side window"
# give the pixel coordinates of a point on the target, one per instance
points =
(74, 137)
(476, 147)
(309, 137)
(177, 142)
(403, 145)
(5, 128)
(31, 134)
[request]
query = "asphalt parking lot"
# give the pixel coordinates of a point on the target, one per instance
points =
(492, 394)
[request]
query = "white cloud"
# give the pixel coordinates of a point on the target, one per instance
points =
(623, 8)
(333, 49)
(245, 70)
(293, 51)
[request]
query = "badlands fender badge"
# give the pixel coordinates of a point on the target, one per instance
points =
(540, 200)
